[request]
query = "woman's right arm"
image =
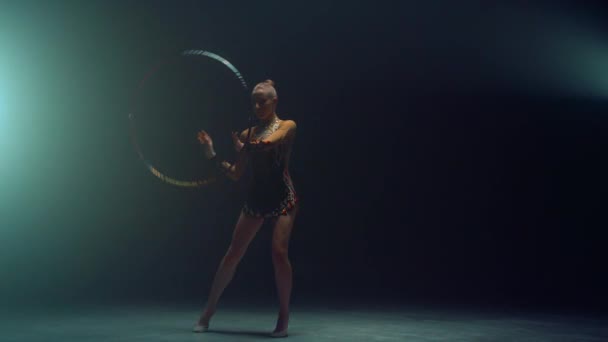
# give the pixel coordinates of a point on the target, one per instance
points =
(232, 171)
(235, 171)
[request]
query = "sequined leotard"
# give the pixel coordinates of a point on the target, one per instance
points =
(271, 192)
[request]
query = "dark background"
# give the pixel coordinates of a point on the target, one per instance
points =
(447, 152)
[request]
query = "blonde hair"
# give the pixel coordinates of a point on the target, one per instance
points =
(268, 86)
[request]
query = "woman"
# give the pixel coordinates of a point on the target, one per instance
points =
(271, 196)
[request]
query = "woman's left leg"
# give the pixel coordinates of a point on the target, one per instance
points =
(282, 267)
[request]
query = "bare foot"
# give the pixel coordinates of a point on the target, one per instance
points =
(282, 323)
(206, 317)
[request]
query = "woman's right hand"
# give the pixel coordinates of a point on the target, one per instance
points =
(205, 139)
(238, 144)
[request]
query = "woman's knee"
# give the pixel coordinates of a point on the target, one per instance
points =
(234, 254)
(279, 253)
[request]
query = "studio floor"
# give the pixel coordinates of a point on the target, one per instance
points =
(312, 322)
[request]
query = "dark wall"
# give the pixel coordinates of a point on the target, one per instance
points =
(427, 170)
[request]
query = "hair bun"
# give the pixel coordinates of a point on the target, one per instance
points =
(269, 82)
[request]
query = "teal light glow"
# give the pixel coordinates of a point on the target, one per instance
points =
(2, 111)
(4, 118)
(553, 52)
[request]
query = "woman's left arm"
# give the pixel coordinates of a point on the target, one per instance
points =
(285, 131)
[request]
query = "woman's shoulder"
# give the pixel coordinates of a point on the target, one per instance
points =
(289, 124)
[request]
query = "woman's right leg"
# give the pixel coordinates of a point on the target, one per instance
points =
(244, 232)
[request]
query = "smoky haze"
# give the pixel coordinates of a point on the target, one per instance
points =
(445, 152)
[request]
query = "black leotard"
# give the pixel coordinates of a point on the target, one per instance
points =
(271, 192)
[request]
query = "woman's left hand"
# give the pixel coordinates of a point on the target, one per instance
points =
(258, 145)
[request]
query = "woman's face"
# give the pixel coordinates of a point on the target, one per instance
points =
(263, 103)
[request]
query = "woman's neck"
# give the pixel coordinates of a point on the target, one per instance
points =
(270, 120)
